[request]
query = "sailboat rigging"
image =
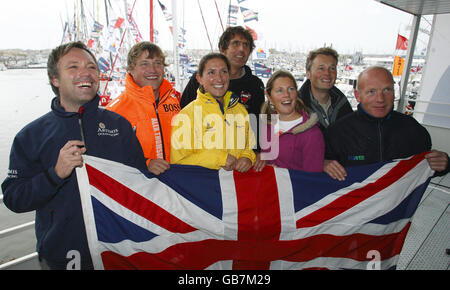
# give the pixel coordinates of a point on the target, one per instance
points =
(111, 41)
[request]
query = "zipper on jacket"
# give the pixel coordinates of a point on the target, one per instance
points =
(160, 131)
(80, 122)
(222, 109)
(380, 143)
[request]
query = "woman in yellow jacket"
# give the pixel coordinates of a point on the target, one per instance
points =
(213, 131)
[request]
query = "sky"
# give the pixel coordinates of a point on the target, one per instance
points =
(302, 25)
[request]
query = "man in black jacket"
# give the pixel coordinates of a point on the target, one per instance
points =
(318, 92)
(376, 133)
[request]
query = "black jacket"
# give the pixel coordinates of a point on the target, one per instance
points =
(338, 109)
(359, 139)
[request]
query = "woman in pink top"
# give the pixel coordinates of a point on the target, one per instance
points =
(293, 140)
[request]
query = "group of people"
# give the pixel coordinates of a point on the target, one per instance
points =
(150, 127)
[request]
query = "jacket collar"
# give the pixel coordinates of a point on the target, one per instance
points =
(365, 115)
(306, 94)
(229, 99)
(308, 123)
(248, 72)
(90, 106)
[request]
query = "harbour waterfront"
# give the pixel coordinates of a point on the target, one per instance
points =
(25, 95)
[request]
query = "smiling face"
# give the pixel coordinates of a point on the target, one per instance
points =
(323, 72)
(148, 71)
(283, 96)
(215, 78)
(77, 79)
(237, 51)
(376, 92)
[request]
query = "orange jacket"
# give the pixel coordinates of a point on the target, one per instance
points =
(152, 124)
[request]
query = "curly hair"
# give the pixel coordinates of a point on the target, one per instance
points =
(230, 32)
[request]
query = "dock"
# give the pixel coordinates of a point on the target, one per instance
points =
(428, 241)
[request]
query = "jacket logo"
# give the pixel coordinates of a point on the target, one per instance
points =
(245, 97)
(103, 131)
(13, 173)
(171, 107)
(209, 127)
(357, 158)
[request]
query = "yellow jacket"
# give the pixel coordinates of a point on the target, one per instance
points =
(204, 133)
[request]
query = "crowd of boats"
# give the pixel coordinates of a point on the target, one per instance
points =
(349, 66)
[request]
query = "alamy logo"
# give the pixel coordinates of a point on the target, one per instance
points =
(103, 131)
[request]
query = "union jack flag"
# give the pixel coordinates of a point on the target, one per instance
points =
(196, 218)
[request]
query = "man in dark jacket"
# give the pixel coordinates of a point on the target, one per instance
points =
(44, 154)
(375, 133)
(318, 92)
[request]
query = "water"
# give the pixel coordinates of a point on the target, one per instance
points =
(25, 95)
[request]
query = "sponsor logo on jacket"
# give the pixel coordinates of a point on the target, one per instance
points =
(171, 107)
(103, 131)
(245, 97)
(13, 173)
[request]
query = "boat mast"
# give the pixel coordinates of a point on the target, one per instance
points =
(220, 18)
(151, 22)
(106, 14)
(107, 25)
(204, 24)
(175, 46)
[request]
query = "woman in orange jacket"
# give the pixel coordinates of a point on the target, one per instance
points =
(149, 103)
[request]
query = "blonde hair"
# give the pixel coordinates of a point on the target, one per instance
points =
(139, 48)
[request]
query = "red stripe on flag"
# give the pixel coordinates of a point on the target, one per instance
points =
(259, 212)
(355, 246)
(135, 202)
(349, 200)
(202, 254)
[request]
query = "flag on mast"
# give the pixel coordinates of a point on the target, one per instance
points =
(402, 43)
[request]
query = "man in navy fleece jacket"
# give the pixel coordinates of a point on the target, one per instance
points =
(44, 154)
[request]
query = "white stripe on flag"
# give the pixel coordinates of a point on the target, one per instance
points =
(333, 264)
(229, 204)
(88, 216)
(286, 200)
